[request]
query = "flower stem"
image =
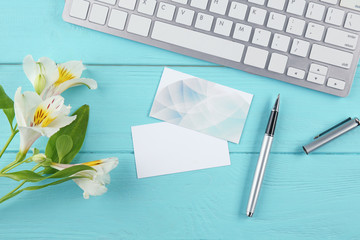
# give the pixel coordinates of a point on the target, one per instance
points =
(8, 196)
(13, 165)
(13, 133)
(20, 158)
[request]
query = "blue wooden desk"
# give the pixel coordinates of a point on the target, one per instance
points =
(303, 197)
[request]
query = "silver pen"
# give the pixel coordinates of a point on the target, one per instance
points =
(263, 157)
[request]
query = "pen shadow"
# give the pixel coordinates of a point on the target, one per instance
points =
(248, 178)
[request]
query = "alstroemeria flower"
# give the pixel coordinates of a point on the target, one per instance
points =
(41, 73)
(36, 117)
(94, 182)
(69, 76)
(58, 78)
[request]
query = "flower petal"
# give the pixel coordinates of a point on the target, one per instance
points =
(90, 83)
(30, 68)
(27, 137)
(74, 67)
(51, 70)
(90, 187)
(25, 105)
(60, 122)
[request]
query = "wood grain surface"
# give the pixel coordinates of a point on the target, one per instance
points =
(303, 197)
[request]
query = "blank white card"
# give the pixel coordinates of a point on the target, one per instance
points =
(164, 148)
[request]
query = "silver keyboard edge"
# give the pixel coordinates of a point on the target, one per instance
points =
(240, 66)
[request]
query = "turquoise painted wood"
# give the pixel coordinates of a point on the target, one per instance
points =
(303, 197)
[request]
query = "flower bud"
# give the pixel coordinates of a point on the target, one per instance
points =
(39, 158)
(39, 83)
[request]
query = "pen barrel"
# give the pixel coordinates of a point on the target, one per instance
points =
(331, 135)
(259, 173)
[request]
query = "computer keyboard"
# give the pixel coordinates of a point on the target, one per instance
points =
(314, 44)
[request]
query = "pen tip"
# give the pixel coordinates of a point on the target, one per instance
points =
(277, 103)
(249, 214)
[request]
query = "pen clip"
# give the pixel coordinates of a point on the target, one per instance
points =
(332, 128)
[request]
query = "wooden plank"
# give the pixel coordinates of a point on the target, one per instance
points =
(39, 29)
(125, 96)
(301, 198)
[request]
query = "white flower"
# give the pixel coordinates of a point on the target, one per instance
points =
(58, 77)
(40, 73)
(36, 117)
(94, 182)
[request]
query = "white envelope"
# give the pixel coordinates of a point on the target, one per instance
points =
(164, 148)
(201, 105)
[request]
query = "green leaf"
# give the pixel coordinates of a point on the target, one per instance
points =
(31, 176)
(23, 175)
(10, 114)
(5, 101)
(76, 130)
(64, 144)
(36, 151)
(67, 172)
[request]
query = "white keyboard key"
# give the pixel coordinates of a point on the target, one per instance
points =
(147, 7)
(334, 16)
(180, 1)
(260, 2)
(261, 37)
(295, 26)
(315, 31)
(257, 15)
(280, 42)
(331, 56)
(277, 4)
(341, 38)
(117, 19)
(300, 48)
(352, 21)
(139, 25)
(166, 11)
(276, 21)
(296, 73)
(330, 1)
(195, 40)
(238, 10)
(318, 69)
(278, 63)
(128, 4)
(219, 6)
(256, 57)
(79, 9)
(185, 16)
(352, 4)
(316, 78)
(223, 27)
(112, 2)
(315, 11)
(336, 83)
(199, 3)
(98, 14)
(296, 7)
(204, 21)
(242, 32)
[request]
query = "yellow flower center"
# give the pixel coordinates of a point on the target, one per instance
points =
(64, 75)
(42, 117)
(93, 163)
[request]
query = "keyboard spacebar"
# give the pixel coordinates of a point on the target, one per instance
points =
(197, 41)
